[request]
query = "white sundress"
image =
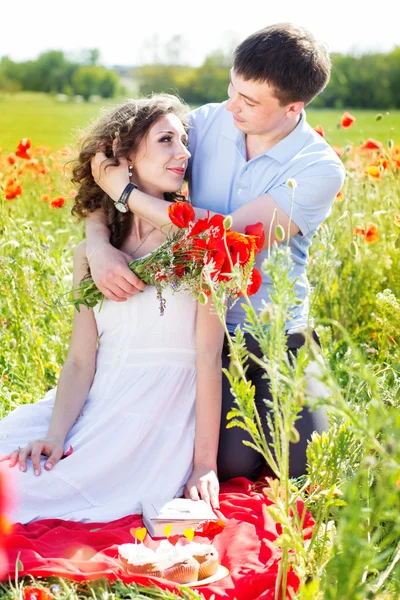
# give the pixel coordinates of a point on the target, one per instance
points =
(134, 437)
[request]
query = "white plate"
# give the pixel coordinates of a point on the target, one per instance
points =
(220, 574)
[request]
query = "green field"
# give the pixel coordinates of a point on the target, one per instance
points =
(52, 123)
(352, 485)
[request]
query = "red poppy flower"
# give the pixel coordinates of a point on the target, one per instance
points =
(210, 528)
(198, 250)
(23, 149)
(57, 202)
(179, 271)
(358, 230)
(371, 144)
(12, 189)
(257, 230)
(215, 224)
(319, 129)
(7, 494)
(372, 233)
(35, 593)
(181, 214)
(339, 196)
(347, 120)
(220, 260)
(373, 172)
(256, 281)
(239, 247)
(11, 159)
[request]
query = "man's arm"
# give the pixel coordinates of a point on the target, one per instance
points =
(109, 266)
(155, 211)
(301, 209)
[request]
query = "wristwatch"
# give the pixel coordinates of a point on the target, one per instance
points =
(121, 204)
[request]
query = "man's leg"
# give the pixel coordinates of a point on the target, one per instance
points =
(234, 458)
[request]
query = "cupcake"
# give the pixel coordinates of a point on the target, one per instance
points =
(207, 556)
(139, 560)
(184, 571)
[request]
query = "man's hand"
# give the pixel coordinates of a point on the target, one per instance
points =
(204, 484)
(110, 272)
(112, 180)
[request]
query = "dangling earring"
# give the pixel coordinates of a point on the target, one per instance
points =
(130, 169)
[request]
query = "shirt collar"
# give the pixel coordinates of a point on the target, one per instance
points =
(283, 150)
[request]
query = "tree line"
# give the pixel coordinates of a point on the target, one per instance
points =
(54, 73)
(364, 81)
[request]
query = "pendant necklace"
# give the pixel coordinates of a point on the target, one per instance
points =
(142, 242)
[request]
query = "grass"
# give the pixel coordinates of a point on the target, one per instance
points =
(47, 121)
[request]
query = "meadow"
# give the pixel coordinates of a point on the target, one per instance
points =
(352, 487)
(47, 121)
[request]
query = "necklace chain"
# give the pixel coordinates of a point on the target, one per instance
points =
(142, 242)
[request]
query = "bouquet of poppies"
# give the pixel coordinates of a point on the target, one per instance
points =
(200, 256)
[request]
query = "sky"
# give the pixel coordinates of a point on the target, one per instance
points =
(126, 31)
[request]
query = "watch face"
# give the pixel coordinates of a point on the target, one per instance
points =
(121, 207)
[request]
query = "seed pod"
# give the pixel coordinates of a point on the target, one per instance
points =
(353, 249)
(292, 183)
(235, 368)
(294, 435)
(227, 223)
(266, 314)
(279, 233)
(203, 298)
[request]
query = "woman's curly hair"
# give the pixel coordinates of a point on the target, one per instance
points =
(122, 129)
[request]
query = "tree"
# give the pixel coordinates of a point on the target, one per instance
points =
(95, 81)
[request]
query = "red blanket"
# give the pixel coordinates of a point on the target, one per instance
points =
(87, 551)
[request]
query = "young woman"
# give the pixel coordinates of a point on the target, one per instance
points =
(139, 396)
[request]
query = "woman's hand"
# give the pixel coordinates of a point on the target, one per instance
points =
(51, 447)
(112, 180)
(110, 272)
(204, 484)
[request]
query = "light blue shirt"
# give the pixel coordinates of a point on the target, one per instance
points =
(222, 179)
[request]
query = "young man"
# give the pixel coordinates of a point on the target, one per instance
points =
(243, 153)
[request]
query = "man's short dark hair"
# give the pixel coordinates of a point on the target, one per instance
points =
(288, 58)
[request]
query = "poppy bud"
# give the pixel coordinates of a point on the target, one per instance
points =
(227, 223)
(235, 368)
(279, 233)
(353, 249)
(294, 436)
(390, 144)
(202, 298)
(13, 343)
(266, 314)
(378, 117)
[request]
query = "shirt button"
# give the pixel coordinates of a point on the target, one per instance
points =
(3, 436)
(239, 191)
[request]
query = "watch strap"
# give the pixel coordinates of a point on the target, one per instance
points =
(125, 194)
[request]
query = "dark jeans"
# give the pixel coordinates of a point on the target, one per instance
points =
(234, 458)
